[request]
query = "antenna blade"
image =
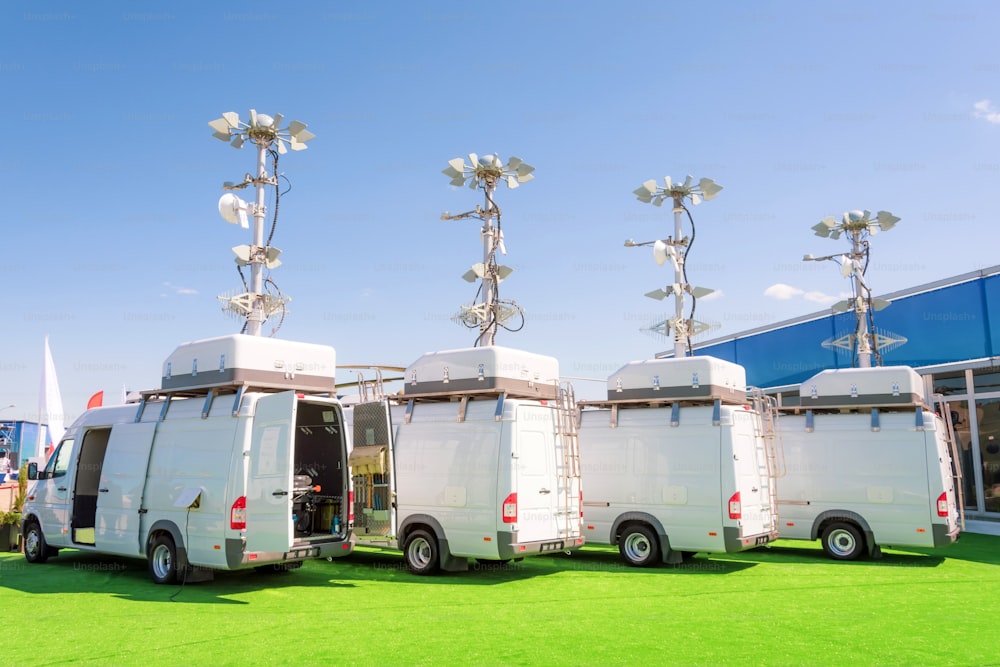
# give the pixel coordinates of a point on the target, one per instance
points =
(525, 178)
(277, 120)
(232, 118)
(649, 186)
(688, 182)
(295, 127)
(699, 292)
(512, 182)
(237, 141)
(220, 125)
(221, 136)
(514, 163)
(451, 172)
(303, 136)
(841, 306)
(474, 160)
(296, 145)
(281, 147)
(253, 117)
(503, 272)
(886, 220)
(880, 304)
(458, 181)
(659, 295)
(821, 229)
(709, 188)
(695, 198)
(470, 276)
(458, 164)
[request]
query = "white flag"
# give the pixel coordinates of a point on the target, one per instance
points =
(50, 408)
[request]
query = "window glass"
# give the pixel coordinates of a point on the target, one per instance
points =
(986, 379)
(59, 462)
(963, 440)
(950, 383)
(988, 412)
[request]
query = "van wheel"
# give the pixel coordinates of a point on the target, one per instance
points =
(843, 541)
(638, 546)
(163, 560)
(421, 553)
(35, 549)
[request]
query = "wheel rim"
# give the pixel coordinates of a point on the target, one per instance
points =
(161, 561)
(842, 542)
(637, 547)
(32, 543)
(419, 553)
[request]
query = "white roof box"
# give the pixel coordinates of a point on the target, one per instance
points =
(687, 378)
(882, 385)
(238, 359)
(490, 369)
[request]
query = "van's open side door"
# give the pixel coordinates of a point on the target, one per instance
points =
(120, 492)
(269, 486)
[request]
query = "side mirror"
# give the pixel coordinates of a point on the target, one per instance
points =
(32, 471)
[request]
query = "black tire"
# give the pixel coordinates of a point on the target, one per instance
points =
(843, 541)
(35, 548)
(421, 553)
(162, 559)
(639, 546)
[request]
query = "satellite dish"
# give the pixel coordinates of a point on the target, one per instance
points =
(234, 210)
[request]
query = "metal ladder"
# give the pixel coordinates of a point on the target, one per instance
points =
(956, 463)
(569, 469)
(765, 413)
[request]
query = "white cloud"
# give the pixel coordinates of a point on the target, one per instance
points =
(785, 292)
(984, 109)
(782, 291)
(179, 290)
(820, 298)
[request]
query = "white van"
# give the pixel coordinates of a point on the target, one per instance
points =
(238, 461)
(677, 461)
(867, 464)
(477, 459)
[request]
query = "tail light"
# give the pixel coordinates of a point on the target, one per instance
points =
(350, 506)
(510, 508)
(581, 504)
(238, 514)
(942, 504)
(735, 506)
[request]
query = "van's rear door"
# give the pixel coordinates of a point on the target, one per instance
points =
(269, 485)
(752, 482)
(536, 476)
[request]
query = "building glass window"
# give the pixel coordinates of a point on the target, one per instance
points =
(950, 383)
(988, 412)
(963, 442)
(985, 380)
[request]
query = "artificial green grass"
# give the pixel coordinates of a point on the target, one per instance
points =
(783, 605)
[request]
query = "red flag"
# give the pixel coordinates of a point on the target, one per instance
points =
(96, 401)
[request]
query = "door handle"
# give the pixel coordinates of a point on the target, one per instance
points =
(102, 490)
(60, 488)
(544, 491)
(280, 493)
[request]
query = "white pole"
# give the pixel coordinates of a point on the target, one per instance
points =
(680, 326)
(489, 287)
(255, 317)
(860, 306)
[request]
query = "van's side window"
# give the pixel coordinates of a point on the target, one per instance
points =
(59, 462)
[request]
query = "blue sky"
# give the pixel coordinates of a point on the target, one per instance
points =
(113, 246)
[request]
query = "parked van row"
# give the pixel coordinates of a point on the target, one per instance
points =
(244, 458)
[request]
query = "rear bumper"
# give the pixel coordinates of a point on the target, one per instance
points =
(734, 542)
(944, 534)
(507, 548)
(237, 558)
